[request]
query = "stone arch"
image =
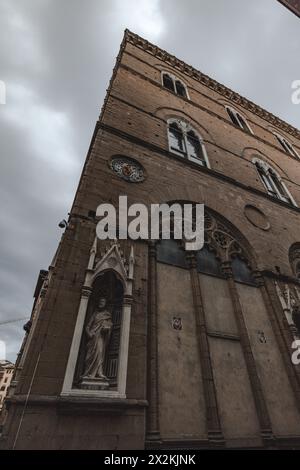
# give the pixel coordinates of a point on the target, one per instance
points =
(282, 133)
(223, 238)
(227, 103)
(167, 68)
(251, 152)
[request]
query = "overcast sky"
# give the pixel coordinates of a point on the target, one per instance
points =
(56, 58)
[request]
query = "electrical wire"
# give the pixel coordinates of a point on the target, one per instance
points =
(13, 321)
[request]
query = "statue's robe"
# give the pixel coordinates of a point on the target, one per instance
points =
(98, 332)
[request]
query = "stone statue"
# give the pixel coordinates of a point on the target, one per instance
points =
(98, 331)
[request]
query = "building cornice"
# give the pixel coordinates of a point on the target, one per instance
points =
(229, 94)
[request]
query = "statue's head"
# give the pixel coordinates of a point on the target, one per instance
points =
(102, 302)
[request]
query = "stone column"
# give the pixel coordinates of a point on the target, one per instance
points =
(259, 399)
(153, 430)
(214, 430)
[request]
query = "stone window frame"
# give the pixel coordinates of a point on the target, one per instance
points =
(175, 79)
(286, 145)
(185, 127)
(238, 119)
(266, 171)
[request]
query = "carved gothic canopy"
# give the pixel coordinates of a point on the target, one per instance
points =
(223, 244)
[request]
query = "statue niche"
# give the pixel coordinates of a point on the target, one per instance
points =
(99, 351)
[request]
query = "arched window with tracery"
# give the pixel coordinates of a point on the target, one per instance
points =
(289, 292)
(238, 120)
(286, 145)
(185, 141)
(175, 85)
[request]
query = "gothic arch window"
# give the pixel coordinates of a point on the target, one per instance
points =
(238, 120)
(286, 145)
(221, 246)
(229, 247)
(175, 85)
(186, 142)
(241, 271)
(208, 263)
(272, 182)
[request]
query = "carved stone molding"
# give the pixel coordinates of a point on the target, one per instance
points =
(289, 297)
(220, 238)
(86, 291)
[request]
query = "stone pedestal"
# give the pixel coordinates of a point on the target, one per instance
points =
(88, 383)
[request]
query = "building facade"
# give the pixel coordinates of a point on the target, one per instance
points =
(141, 344)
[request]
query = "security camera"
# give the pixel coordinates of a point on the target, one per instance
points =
(63, 224)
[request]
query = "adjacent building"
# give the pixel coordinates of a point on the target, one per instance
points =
(139, 344)
(6, 374)
(293, 5)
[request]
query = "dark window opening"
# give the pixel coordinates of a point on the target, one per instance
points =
(241, 271)
(243, 123)
(238, 120)
(92, 214)
(287, 147)
(278, 186)
(180, 89)
(207, 262)
(168, 82)
(176, 138)
(194, 146)
(170, 252)
(233, 117)
(272, 183)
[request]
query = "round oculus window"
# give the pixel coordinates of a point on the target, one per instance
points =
(128, 169)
